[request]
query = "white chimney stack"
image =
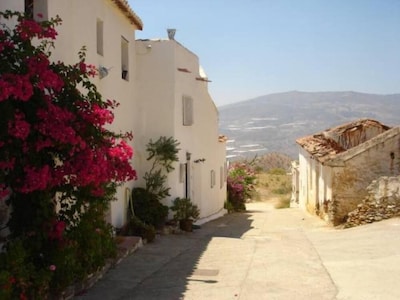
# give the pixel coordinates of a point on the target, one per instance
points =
(171, 33)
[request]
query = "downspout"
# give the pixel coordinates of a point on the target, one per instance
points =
(187, 175)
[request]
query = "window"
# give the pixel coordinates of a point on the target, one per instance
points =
(221, 177)
(36, 9)
(182, 173)
(99, 35)
(212, 178)
(29, 9)
(187, 103)
(124, 58)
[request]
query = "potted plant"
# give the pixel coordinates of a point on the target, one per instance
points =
(185, 212)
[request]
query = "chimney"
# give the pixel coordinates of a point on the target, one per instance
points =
(171, 33)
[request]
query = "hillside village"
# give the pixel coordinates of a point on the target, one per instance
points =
(346, 175)
(162, 91)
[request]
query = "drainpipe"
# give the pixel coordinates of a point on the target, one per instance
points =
(187, 175)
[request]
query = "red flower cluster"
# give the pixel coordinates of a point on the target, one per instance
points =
(57, 230)
(28, 29)
(97, 115)
(36, 179)
(57, 137)
(15, 86)
(59, 165)
(18, 127)
(41, 74)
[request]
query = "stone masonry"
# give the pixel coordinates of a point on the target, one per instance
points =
(382, 202)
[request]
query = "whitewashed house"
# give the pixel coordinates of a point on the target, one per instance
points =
(336, 166)
(173, 100)
(150, 93)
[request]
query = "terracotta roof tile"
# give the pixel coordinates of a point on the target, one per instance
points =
(124, 6)
(327, 144)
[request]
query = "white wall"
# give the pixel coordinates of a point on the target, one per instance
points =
(303, 178)
(151, 102)
(154, 112)
(78, 29)
(161, 87)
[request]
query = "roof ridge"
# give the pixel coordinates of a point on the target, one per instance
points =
(124, 6)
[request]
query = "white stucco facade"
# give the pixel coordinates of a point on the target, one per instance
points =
(79, 28)
(167, 73)
(150, 94)
(314, 183)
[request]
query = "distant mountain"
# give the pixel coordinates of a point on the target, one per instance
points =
(272, 123)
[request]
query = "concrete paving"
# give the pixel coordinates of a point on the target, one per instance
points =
(263, 253)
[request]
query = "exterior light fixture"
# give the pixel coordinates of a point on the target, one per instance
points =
(199, 160)
(103, 72)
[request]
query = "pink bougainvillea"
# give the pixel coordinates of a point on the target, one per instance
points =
(57, 230)
(240, 184)
(18, 127)
(59, 164)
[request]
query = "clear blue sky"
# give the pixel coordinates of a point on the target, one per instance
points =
(251, 48)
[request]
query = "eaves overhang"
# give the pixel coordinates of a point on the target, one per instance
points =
(124, 6)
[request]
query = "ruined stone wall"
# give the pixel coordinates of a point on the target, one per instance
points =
(351, 181)
(382, 202)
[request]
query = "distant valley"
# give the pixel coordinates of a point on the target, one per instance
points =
(272, 123)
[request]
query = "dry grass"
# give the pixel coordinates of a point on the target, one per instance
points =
(283, 202)
(274, 188)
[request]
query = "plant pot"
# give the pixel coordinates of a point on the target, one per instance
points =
(186, 225)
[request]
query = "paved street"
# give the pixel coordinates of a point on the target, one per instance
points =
(264, 253)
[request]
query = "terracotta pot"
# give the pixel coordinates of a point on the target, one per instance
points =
(186, 225)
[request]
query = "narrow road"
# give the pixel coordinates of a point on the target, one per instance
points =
(263, 253)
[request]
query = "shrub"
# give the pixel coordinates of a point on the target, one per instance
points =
(146, 201)
(163, 153)
(59, 165)
(240, 184)
(228, 206)
(184, 209)
(148, 208)
(138, 228)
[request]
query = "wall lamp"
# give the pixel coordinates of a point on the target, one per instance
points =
(103, 71)
(199, 160)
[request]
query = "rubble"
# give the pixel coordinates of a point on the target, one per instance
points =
(382, 202)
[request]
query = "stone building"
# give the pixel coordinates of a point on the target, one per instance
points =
(337, 165)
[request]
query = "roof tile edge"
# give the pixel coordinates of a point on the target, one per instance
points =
(124, 6)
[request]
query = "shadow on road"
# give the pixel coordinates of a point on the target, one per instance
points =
(172, 280)
(165, 268)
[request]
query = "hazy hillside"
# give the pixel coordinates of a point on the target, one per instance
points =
(273, 122)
